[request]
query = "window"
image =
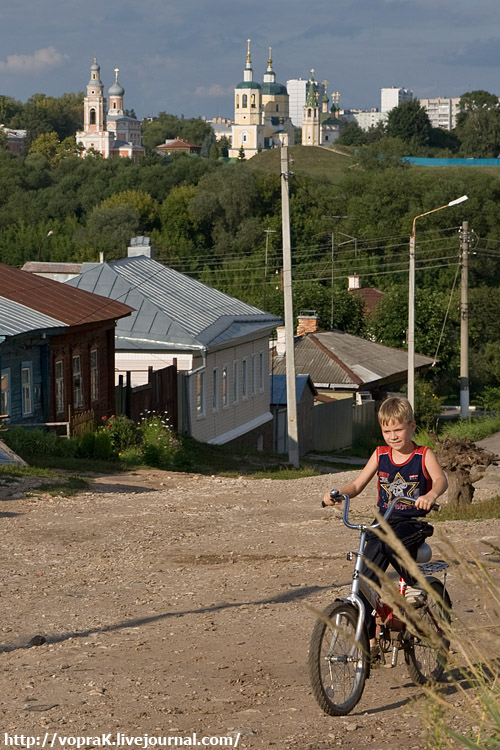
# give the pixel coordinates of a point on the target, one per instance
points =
(5, 398)
(237, 102)
(244, 379)
(27, 389)
(92, 116)
(277, 108)
(261, 372)
(200, 394)
(215, 391)
(225, 400)
(253, 100)
(253, 384)
(59, 378)
(77, 383)
(244, 100)
(94, 374)
(236, 390)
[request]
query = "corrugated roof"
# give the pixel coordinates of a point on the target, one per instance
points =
(70, 306)
(16, 318)
(171, 308)
(341, 359)
(319, 364)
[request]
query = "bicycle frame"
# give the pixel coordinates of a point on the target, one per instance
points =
(359, 584)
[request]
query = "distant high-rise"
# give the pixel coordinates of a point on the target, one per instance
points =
(391, 97)
(297, 91)
(442, 111)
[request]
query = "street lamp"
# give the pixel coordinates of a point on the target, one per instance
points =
(411, 300)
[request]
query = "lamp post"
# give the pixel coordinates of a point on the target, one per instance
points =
(411, 300)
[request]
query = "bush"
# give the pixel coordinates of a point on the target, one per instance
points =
(28, 443)
(428, 406)
(122, 431)
(160, 445)
(86, 445)
(103, 446)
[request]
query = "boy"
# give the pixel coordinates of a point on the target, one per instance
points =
(403, 469)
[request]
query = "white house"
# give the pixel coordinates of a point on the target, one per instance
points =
(220, 343)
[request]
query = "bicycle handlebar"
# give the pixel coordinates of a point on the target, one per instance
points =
(387, 514)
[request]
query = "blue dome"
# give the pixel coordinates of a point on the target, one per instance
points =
(116, 89)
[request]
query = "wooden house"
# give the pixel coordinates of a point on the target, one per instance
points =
(56, 349)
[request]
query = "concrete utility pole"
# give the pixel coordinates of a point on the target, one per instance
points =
(268, 232)
(291, 399)
(464, 324)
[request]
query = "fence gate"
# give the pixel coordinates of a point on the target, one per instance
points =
(158, 395)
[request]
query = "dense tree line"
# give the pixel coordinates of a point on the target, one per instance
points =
(477, 132)
(212, 219)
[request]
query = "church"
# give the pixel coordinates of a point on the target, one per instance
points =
(110, 133)
(261, 113)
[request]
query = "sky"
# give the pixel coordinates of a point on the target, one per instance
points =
(186, 57)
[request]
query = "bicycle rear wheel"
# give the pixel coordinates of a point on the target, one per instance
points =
(338, 666)
(427, 652)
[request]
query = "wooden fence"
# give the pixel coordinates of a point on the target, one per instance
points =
(158, 395)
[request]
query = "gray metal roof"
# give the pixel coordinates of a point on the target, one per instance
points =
(16, 318)
(171, 309)
(341, 359)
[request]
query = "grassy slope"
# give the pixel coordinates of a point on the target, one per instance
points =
(305, 160)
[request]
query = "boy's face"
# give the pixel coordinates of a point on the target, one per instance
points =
(398, 435)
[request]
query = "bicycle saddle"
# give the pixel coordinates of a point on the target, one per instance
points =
(424, 553)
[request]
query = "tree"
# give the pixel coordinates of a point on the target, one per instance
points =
(145, 206)
(479, 133)
(9, 108)
(410, 122)
(241, 154)
(109, 230)
(479, 99)
(351, 135)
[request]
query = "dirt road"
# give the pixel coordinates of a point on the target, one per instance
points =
(176, 603)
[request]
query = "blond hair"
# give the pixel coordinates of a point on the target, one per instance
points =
(397, 409)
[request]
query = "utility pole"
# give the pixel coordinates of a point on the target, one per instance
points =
(464, 323)
(331, 283)
(293, 438)
(410, 336)
(268, 232)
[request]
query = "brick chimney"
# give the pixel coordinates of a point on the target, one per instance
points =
(307, 322)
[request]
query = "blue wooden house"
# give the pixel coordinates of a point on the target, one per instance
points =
(56, 349)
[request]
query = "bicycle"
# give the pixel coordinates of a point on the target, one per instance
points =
(339, 652)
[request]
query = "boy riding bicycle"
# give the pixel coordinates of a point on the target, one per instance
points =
(403, 469)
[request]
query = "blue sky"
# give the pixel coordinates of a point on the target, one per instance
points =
(185, 57)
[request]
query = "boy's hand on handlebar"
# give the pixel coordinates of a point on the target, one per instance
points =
(424, 502)
(332, 497)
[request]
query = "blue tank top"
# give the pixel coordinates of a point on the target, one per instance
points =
(396, 480)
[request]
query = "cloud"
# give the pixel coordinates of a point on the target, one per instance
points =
(215, 89)
(40, 60)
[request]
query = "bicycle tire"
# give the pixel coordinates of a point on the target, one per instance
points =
(426, 661)
(338, 667)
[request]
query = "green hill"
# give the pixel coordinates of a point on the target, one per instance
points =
(312, 161)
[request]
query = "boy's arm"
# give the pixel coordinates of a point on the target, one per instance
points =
(357, 485)
(439, 482)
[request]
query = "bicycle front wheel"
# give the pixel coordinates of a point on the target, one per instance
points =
(338, 666)
(427, 652)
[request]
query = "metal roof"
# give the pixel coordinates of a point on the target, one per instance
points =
(171, 309)
(66, 305)
(278, 388)
(16, 318)
(338, 358)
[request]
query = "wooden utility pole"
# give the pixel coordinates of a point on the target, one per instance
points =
(464, 324)
(291, 399)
